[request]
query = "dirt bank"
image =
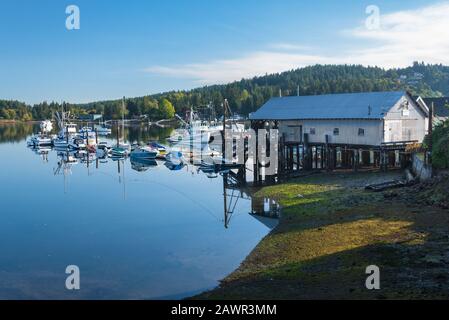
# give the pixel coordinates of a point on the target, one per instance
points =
(332, 229)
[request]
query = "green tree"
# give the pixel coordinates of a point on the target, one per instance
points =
(166, 109)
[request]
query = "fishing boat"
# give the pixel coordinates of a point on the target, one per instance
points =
(66, 134)
(43, 138)
(67, 130)
(89, 136)
(144, 153)
(200, 133)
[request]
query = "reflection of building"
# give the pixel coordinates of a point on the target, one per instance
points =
(266, 210)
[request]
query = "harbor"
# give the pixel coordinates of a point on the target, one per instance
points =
(138, 228)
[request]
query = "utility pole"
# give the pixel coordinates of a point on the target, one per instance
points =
(429, 151)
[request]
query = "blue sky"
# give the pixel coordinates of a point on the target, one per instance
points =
(134, 48)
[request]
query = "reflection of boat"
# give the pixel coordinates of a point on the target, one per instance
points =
(103, 131)
(161, 149)
(142, 165)
(175, 158)
(103, 150)
(144, 153)
(174, 167)
(68, 157)
(119, 152)
(41, 150)
(104, 146)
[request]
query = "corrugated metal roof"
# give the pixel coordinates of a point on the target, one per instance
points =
(366, 105)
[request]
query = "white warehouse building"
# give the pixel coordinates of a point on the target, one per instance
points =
(371, 121)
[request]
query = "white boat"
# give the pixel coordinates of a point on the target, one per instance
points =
(200, 133)
(43, 138)
(67, 130)
(76, 143)
(66, 134)
(144, 153)
(89, 136)
(40, 140)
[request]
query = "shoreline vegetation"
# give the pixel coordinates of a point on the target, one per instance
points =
(331, 229)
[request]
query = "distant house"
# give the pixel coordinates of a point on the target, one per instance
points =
(371, 119)
(441, 107)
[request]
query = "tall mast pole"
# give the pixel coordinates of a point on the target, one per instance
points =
(123, 118)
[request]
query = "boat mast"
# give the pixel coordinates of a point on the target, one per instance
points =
(123, 119)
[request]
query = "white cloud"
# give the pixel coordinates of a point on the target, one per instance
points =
(254, 64)
(403, 37)
(406, 36)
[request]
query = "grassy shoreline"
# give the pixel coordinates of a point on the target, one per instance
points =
(332, 229)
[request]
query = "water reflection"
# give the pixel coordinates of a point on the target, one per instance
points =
(16, 132)
(265, 209)
(138, 230)
(19, 131)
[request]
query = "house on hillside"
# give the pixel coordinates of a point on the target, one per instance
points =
(345, 129)
(440, 107)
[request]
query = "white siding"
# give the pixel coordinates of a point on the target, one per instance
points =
(403, 125)
(348, 131)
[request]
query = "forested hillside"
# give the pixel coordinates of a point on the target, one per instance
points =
(247, 95)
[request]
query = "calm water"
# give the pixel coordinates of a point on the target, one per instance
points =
(134, 234)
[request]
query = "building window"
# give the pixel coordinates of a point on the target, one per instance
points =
(312, 131)
(336, 131)
(361, 132)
